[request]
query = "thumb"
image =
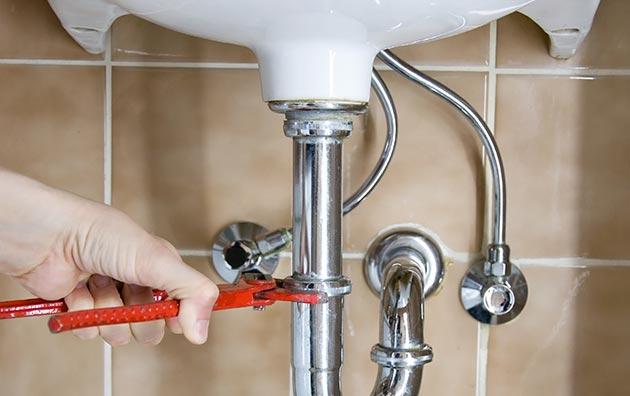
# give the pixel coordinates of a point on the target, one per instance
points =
(163, 269)
(190, 307)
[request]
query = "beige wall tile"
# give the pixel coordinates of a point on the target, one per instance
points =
(247, 354)
(52, 125)
(435, 176)
(30, 29)
(467, 49)
(564, 143)
(571, 338)
(35, 362)
(136, 39)
(448, 329)
(195, 150)
(522, 43)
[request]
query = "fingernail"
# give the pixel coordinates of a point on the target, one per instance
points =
(101, 281)
(201, 330)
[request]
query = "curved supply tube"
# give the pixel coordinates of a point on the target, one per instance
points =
(401, 352)
(482, 129)
(385, 98)
(493, 291)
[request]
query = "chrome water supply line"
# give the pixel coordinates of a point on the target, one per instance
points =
(493, 291)
(247, 247)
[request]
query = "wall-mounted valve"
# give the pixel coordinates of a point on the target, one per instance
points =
(494, 291)
(247, 247)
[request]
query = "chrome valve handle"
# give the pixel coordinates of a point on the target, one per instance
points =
(247, 247)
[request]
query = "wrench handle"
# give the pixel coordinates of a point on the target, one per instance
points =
(110, 316)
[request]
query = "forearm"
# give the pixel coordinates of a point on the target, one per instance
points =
(30, 214)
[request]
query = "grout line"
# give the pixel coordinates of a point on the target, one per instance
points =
(570, 262)
(108, 131)
(483, 338)
(282, 254)
(425, 68)
(107, 349)
(483, 331)
(491, 107)
(492, 77)
(187, 65)
(467, 257)
(533, 71)
(52, 62)
(353, 255)
(107, 370)
(563, 72)
(194, 252)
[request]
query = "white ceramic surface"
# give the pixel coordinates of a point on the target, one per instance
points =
(307, 49)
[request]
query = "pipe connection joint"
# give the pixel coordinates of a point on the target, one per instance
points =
(498, 261)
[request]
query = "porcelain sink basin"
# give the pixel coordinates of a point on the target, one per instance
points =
(307, 49)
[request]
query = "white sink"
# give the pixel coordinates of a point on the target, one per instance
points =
(307, 49)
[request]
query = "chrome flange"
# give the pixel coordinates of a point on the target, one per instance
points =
(408, 244)
(491, 299)
(235, 251)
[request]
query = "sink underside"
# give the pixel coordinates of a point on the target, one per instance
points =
(320, 49)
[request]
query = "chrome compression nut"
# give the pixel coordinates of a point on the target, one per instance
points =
(318, 128)
(329, 287)
(498, 261)
(400, 358)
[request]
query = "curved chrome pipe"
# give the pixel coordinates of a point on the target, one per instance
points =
(385, 97)
(482, 129)
(493, 291)
(404, 266)
(401, 352)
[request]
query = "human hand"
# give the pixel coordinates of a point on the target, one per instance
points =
(58, 245)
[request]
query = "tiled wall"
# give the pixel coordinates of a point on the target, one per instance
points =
(171, 130)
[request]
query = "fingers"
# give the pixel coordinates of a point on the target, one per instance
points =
(115, 246)
(105, 294)
(148, 333)
(79, 300)
(102, 292)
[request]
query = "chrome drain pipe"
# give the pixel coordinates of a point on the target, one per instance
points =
(242, 247)
(403, 267)
(318, 131)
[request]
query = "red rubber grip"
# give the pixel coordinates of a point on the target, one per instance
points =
(111, 316)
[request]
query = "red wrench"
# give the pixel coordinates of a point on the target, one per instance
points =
(252, 290)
